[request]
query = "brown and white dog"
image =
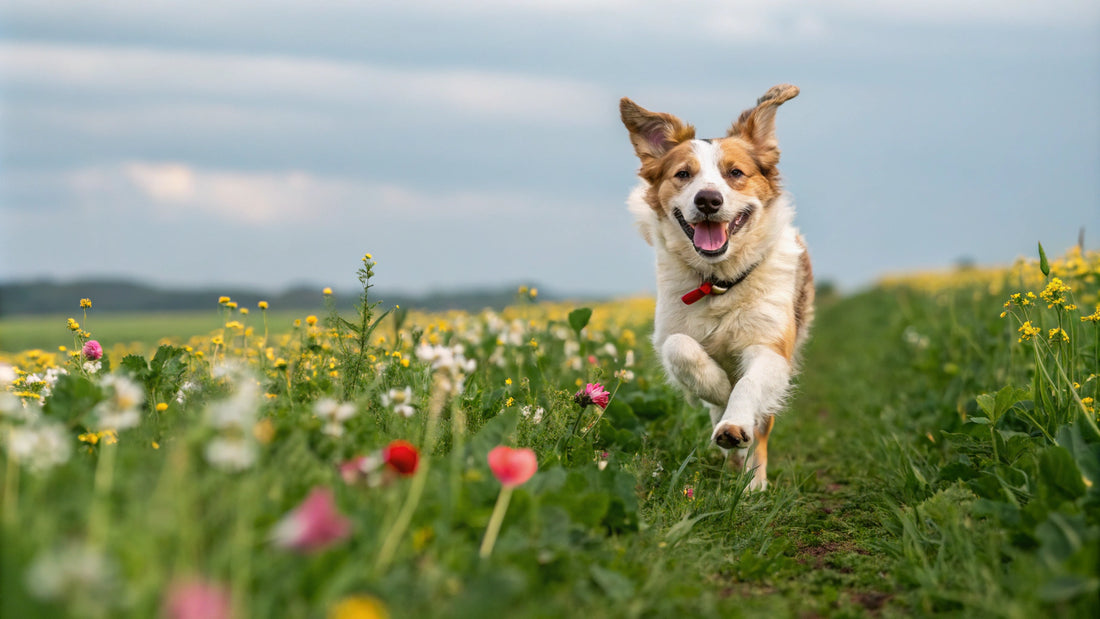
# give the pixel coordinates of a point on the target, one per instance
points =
(734, 284)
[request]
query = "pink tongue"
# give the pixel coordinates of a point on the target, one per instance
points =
(710, 235)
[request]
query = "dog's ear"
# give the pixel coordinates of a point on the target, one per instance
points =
(652, 133)
(757, 125)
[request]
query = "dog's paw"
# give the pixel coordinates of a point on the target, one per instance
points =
(731, 436)
(759, 483)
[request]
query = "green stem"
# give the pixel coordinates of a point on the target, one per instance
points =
(242, 560)
(412, 499)
(493, 529)
(11, 491)
(458, 453)
(99, 522)
(602, 410)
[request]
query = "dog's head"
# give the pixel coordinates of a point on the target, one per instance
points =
(714, 191)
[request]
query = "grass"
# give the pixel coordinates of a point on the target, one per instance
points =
(929, 463)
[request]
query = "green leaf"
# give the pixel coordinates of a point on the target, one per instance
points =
(997, 405)
(578, 319)
(1044, 265)
(73, 396)
(677, 531)
(615, 585)
(1060, 479)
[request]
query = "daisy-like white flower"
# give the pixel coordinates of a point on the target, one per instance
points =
(40, 446)
(334, 414)
(231, 454)
(450, 364)
(122, 408)
(400, 400)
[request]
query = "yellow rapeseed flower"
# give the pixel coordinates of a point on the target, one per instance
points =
(1055, 292)
(1027, 331)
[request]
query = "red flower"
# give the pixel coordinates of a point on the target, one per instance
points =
(513, 467)
(402, 457)
(313, 525)
(593, 393)
(92, 350)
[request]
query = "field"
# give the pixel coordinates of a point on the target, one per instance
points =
(940, 456)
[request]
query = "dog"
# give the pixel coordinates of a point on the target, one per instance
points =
(734, 281)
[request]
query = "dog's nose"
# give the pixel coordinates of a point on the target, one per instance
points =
(708, 201)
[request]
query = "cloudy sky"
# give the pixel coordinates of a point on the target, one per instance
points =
(478, 142)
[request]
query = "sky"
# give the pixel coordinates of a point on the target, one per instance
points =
(264, 144)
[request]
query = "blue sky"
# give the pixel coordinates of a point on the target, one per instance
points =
(478, 143)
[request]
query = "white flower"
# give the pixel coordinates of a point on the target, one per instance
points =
(450, 365)
(234, 454)
(610, 350)
(624, 375)
(7, 375)
(184, 389)
(400, 400)
(74, 572)
(629, 362)
(334, 413)
(121, 410)
(535, 416)
(40, 446)
(91, 367)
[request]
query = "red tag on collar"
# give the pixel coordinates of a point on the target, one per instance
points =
(700, 292)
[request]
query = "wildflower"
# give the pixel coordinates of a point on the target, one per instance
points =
(624, 375)
(312, 526)
(512, 467)
(231, 305)
(367, 257)
(399, 399)
(40, 446)
(1093, 317)
(92, 350)
(73, 325)
(223, 300)
(359, 607)
(230, 453)
(508, 381)
(593, 393)
(262, 305)
(121, 409)
(264, 431)
(243, 311)
(1055, 292)
(234, 324)
(197, 599)
(75, 572)
(535, 415)
(86, 303)
(533, 293)
(1057, 333)
(327, 291)
(335, 414)
(1027, 331)
(161, 407)
(311, 320)
(689, 492)
(402, 457)
(92, 367)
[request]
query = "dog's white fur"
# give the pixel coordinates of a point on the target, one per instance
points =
(728, 350)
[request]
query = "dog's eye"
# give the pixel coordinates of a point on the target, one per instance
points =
(683, 174)
(735, 173)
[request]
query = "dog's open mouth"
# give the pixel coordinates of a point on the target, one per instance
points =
(711, 238)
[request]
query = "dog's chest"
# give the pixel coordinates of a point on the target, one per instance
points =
(724, 326)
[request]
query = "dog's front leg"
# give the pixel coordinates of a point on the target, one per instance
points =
(756, 397)
(690, 365)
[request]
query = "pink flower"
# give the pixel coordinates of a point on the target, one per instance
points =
(196, 599)
(352, 470)
(513, 467)
(593, 393)
(92, 350)
(314, 525)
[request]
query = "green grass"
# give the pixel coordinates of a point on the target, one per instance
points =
(889, 496)
(19, 333)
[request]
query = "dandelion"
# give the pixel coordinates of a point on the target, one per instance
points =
(512, 467)
(243, 311)
(262, 305)
(223, 300)
(231, 305)
(197, 599)
(593, 393)
(314, 525)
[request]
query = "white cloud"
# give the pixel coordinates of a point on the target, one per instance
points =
(132, 71)
(173, 191)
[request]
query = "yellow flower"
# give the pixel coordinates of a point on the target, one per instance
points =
(161, 407)
(1093, 317)
(359, 607)
(85, 303)
(367, 257)
(509, 402)
(523, 289)
(1027, 331)
(326, 291)
(264, 431)
(311, 320)
(244, 311)
(404, 363)
(73, 325)
(534, 293)
(156, 445)
(89, 437)
(507, 381)
(1055, 292)
(1056, 332)
(297, 322)
(280, 363)
(223, 300)
(233, 324)
(61, 349)
(216, 340)
(231, 305)
(533, 343)
(262, 305)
